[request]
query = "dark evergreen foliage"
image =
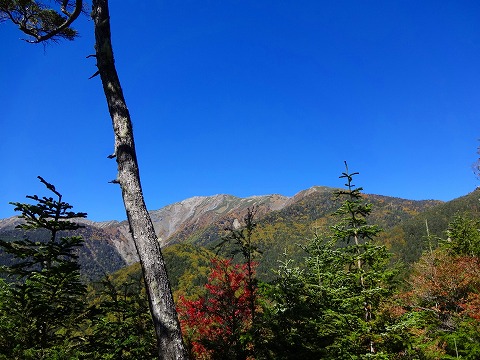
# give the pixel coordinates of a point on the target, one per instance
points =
(40, 21)
(408, 239)
(328, 308)
(45, 298)
(97, 257)
(119, 325)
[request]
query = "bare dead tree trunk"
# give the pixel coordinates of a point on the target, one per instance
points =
(160, 297)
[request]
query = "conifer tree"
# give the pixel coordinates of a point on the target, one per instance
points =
(45, 297)
(328, 307)
(361, 275)
(119, 325)
(463, 236)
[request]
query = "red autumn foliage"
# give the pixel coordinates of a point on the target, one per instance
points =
(213, 325)
(446, 283)
(445, 292)
(471, 307)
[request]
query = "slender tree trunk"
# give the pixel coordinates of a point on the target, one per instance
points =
(162, 307)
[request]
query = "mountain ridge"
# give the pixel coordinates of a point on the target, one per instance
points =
(201, 220)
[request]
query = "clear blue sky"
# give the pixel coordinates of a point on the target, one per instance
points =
(250, 98)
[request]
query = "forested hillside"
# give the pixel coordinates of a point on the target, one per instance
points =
(306, 213)
(409, 238)
(282, 225)
(316, 275)
(286, 231)
(313, 304)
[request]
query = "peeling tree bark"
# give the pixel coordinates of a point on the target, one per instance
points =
(162, 307)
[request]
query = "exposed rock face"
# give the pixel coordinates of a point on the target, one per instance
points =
(193, 214)
(201, 219)
(178, 219)
(123, 241)
(10, 223)
(200, 211)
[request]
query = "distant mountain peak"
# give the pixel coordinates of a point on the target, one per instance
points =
(201, 219)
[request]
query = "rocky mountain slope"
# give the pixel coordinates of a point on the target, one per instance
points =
(176, 222)
(282, 223)
(97, 257)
